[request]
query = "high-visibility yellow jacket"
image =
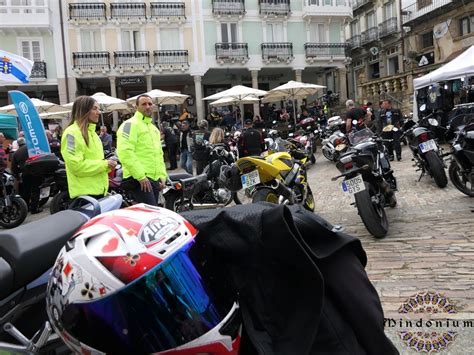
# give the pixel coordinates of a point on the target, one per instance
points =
(86, 168)
(139, 149)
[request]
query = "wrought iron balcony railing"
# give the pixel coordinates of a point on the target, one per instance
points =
(422, 9)
(171, 60)
(232, 52)
(357, 4)
(278, 52)
(39, 70)
(167, 10)
(228, 7)
(274, 7)
(324, 50)
(91, 61)
(91, 11)
(126, 11)
(369, 36)
(388, 27)
(132, 60)
(354, 42)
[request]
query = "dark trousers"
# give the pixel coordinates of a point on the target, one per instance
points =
(395, 145)
(150, 198)
(200, 165)
(172, 152)
(29, 191)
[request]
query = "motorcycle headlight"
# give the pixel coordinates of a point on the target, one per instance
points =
(432, 122)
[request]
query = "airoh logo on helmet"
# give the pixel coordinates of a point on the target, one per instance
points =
(155, 230)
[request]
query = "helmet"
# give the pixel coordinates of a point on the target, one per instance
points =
(135, 281)
(229, 177)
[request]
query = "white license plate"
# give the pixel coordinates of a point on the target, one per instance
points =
(427, 146)
(354, 185)
(44, 192)
(250, 179)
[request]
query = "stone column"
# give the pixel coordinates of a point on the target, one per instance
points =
(256, 107)
(149, 85)
(198, 100)
(113, 93)
(342, 72)
(298, 77)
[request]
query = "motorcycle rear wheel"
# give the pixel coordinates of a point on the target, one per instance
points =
(173, 203)
(437, 169)
(372, 212)
(14, 215)
(328, 155)
(265, 195)
(461, 182)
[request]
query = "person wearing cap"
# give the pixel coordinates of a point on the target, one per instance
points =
(199, 150)
(357, 114)
(185, 146)
(251, 141)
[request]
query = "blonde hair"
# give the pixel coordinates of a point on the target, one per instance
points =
(217, 136)
(80, 114)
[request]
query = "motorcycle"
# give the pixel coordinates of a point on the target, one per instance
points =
(426, 152)
(25, 267)
(185, 192)
(335, 145)
(369, 178)
(461, 171)
(13, 209)
(277, 178)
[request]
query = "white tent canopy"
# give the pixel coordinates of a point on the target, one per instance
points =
(460, 67)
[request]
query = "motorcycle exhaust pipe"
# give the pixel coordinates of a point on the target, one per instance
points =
(202, 206)
(282, 190)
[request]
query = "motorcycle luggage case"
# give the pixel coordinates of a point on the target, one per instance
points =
(43, 164)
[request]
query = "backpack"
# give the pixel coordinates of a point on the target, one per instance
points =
(199, 149)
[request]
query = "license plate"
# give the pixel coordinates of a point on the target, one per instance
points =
(44, 192)
(250, 179)
(427, 146)
(354, 185)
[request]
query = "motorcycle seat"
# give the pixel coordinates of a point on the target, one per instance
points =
(179, 176)
(31, 249)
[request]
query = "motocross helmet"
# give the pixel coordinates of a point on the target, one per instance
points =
(132, 281)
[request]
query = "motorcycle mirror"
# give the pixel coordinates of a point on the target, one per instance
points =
(354, 122)
(290, 135)
(423, 107)
(433, 122)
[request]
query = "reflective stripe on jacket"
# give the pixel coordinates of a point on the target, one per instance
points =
(139, 149)
(86, 168)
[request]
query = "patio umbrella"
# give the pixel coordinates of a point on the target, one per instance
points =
(61, 115)
(231, 101)
(107, 103)
(292, 90)
(239, 93)
(40, 105)
(161, 97)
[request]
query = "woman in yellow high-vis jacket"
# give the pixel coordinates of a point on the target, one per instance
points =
(81, 148)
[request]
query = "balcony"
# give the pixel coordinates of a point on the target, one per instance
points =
(91, 61)
(38, 72)
(168, 11)
(170, 60)
(354, 42)
(422, 10)
(315, 51)
(228, 8)
(232, 53)
(359, 4)
(317, 8)
(35, 15)
(277, 52)
(87, 12)
(132, 61)
(275, 8)
(128, 12)
(394, 87)
(369, 36)
(388, 27)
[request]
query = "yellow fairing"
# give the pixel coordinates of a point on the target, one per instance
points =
(269, 168)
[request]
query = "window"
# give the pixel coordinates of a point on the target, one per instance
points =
(274, 32)
(423, 3)
(355, 28)
(169, 39)
(374, 70)
(466, 25)
(131, 40)
(340, 2)
(427, 40)
(389, 10)
(314, 2)
(392, 66)
(328, 2)
(229, 32)
(371, 20)
(90, 41)
(317, 33)
(31, 49)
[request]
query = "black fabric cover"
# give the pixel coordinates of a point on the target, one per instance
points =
(302, 288)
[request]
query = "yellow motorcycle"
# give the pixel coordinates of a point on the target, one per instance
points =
(276, 178)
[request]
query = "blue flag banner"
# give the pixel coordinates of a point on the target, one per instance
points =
(14, 68)
(33, 128)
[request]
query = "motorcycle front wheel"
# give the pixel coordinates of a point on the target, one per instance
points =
(460, 180)
(327, 154)
(371, 211)
(14, 214)
(173, 202)
(265, 195)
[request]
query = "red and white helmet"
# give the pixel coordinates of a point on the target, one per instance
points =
(134, 281)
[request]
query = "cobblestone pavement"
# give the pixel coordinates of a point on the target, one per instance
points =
(429, 246)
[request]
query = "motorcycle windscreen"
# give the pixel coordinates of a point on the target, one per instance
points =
(169, 306)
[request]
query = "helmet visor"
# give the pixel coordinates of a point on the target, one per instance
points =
(169, 306)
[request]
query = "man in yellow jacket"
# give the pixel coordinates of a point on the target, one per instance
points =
(140, 152)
